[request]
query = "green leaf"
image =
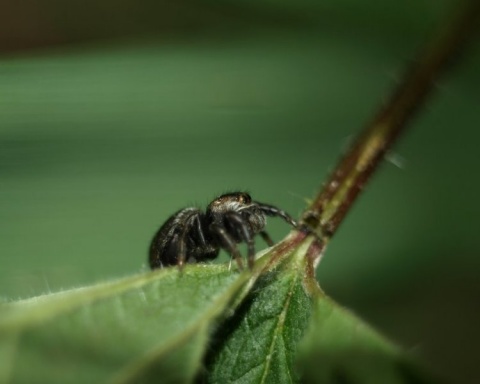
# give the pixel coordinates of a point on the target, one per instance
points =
(138, 329)
(258, 345)
(288, 331)
(208, 323)
(340, 348)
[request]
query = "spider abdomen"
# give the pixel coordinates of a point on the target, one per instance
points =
(182, 226)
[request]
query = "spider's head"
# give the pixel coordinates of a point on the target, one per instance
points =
(241, 203)
(234, 201)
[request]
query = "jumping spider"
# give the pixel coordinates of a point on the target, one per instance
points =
(191, 235)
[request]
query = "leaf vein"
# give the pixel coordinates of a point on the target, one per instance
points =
(277, 330)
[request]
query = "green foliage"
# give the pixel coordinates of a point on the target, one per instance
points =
(207, 323)
(131, 330)
(258, 345)
(340, 348)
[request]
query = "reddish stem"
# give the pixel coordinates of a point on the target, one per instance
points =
(353, 171)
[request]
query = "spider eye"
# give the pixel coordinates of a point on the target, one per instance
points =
(245, 198)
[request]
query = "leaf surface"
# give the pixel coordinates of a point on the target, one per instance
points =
(209, 324)
(258, 345)
(137, 329)
(288, 331)
(340, 348)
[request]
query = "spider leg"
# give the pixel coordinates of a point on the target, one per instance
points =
(228, 243)
(199, 229)
(182, 246)
(266, 237)
(271, 210)
(245, 234)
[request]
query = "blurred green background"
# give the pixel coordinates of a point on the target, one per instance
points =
(115, 114)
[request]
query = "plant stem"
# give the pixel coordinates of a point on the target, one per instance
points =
(353, 171)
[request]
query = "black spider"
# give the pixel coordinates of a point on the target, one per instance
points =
(191, 235)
